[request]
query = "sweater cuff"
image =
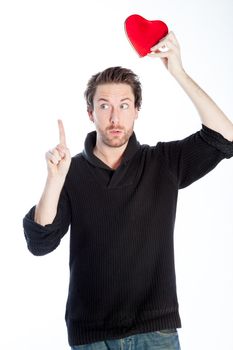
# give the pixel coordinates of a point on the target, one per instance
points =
(216, 140)
(33, 229)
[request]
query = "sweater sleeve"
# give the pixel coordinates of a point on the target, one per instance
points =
(193, 157)
(42, 240)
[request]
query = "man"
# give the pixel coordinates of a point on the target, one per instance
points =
(119, 198)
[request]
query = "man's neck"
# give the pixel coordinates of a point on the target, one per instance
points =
(112, 156)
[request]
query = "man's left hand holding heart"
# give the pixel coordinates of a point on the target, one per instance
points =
(168, 49)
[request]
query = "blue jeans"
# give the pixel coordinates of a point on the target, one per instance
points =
(162, 340)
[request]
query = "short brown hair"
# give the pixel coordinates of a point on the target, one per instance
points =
(115, 75)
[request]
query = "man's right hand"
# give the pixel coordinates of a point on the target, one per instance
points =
(58, 159)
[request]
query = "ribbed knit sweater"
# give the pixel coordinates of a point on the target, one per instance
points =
(122, 271)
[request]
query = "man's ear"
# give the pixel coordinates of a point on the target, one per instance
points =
(90, 114)
(136, 114)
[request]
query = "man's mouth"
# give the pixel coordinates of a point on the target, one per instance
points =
(115, 131)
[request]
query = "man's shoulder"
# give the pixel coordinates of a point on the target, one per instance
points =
(150, 148)
(77, 157)
(77, 161)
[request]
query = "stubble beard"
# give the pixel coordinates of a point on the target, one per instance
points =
(115, 141)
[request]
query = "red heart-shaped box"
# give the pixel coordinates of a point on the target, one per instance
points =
(144, 34)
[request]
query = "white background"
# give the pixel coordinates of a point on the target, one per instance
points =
(49, 49)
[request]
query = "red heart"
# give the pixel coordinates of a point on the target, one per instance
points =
(144, 34)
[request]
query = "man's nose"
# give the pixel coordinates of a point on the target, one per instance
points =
(114, 118)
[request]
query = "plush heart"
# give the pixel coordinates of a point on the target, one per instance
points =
(144, 34)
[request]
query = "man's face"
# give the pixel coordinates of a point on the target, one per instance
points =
(114, 113)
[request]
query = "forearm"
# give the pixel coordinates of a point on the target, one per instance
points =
(46, 209)
(210, 114)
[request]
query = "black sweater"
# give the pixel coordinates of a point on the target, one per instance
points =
(122, 274)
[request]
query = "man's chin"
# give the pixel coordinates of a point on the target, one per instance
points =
(116, 142)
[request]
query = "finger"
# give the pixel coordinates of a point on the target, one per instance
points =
(158, 46)
(51, 158)
(57, 153)
(169, 38)
(62, 136)
(158, 54)
(62, 150)
(160, 43)
(173, 38)
(151, 54)
(54, 156)
(171, 46)
(168, 48)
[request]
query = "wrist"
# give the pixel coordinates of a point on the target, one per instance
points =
(55, 180)
(179, 73)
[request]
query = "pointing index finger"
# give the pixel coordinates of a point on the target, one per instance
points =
(62, 136)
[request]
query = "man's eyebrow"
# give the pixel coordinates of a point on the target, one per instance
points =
(126, 98)
(102, 99)
(106, 100)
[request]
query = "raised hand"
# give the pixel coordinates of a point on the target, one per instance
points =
(168, 49)
(58, 159)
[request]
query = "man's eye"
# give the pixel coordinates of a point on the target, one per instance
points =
(124, 106)
(104, 106)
